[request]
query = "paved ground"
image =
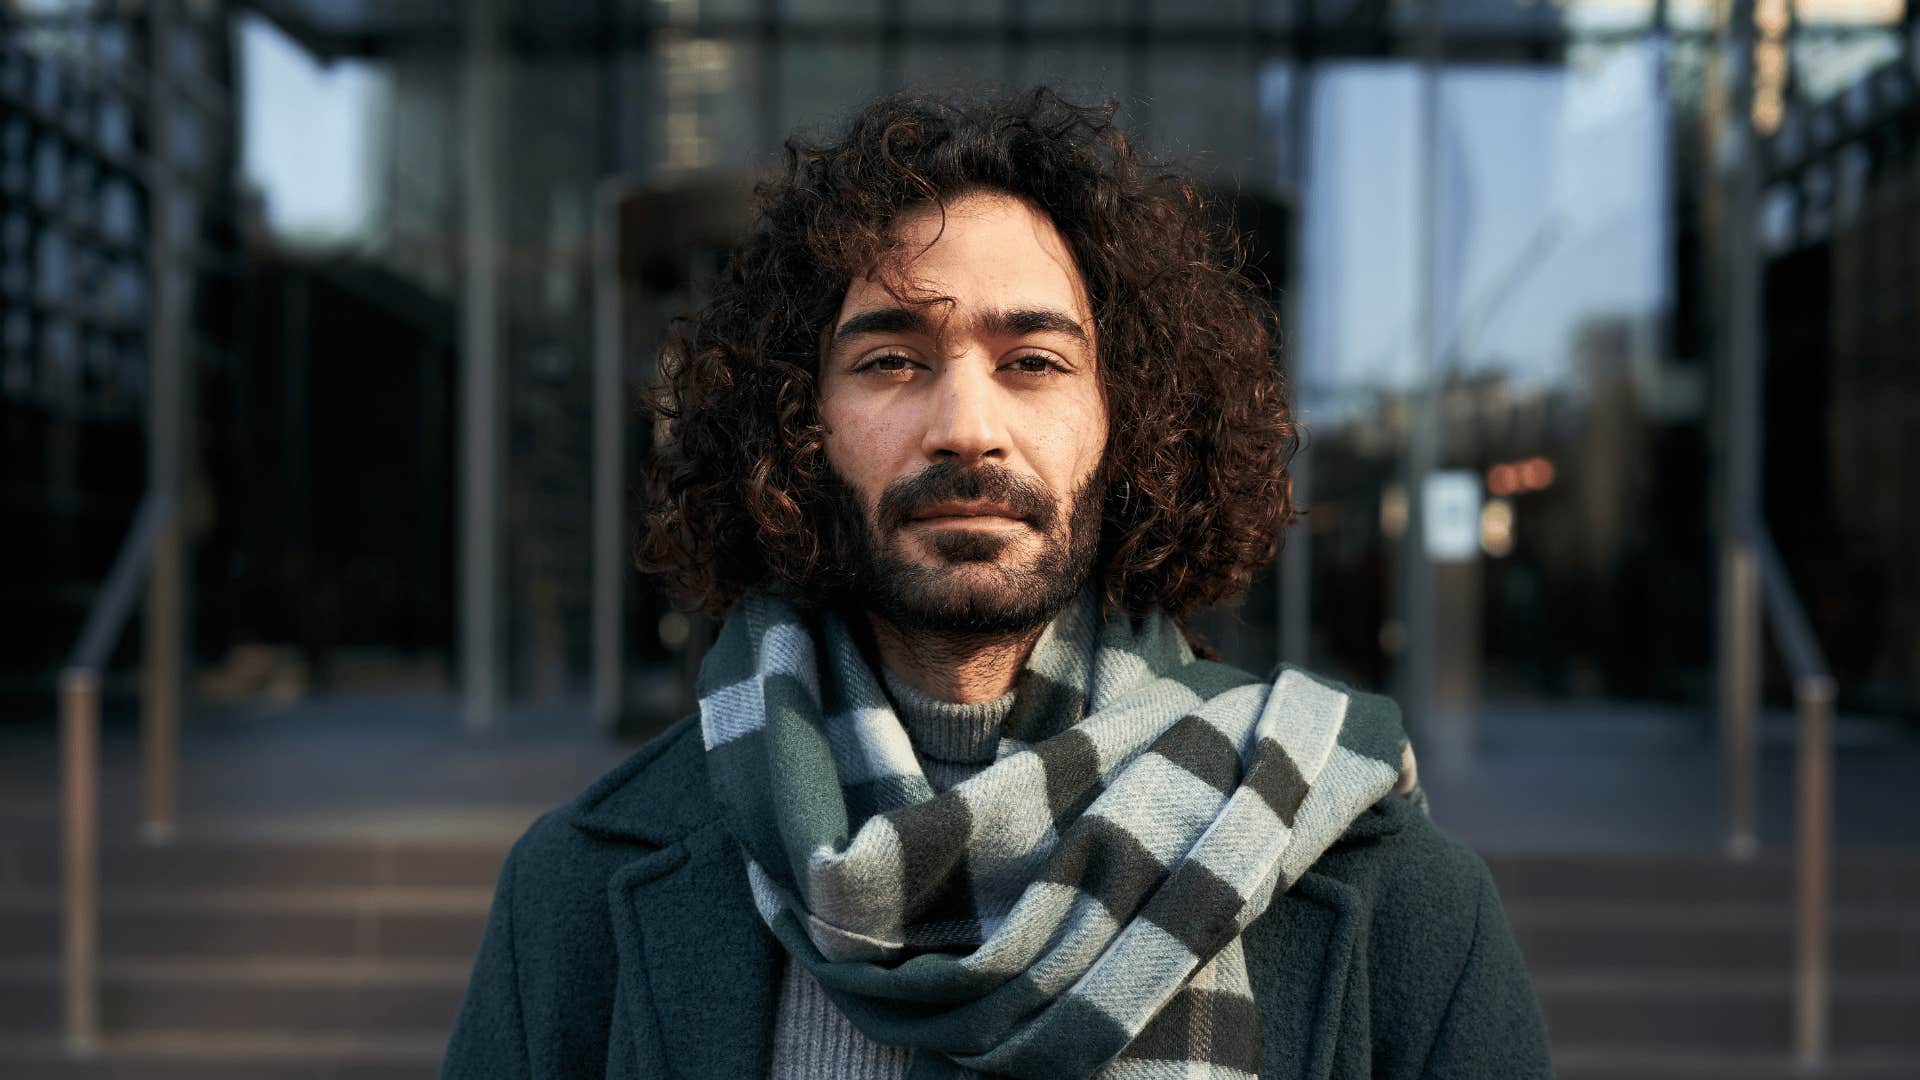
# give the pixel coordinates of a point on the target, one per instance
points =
(1637, 779)
(399, 767)
(1571, 779)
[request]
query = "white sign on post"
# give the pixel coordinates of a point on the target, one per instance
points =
(1451, 515)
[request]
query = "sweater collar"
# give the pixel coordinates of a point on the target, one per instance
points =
(949, 731)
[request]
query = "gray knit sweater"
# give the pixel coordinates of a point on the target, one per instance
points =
(812, 1039)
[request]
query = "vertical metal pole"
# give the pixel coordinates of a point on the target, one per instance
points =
(1813, 836)
(1740, 348)
(166, 439)
(1295, 580)
(1740, 692)
(1416, 675)
(481, 654)
(1296, 562)
(1910, 41)
(609, 459)
(80, 827)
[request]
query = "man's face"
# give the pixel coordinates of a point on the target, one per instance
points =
(968, 436)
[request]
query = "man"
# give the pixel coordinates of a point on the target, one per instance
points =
(981, 408)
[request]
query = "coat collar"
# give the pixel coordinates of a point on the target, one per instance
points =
(696, 957)
(697, 967)
(657, 797)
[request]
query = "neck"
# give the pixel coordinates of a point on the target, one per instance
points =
(962, 668)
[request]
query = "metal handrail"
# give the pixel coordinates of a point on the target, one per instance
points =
(1813, 689)
(80, 770)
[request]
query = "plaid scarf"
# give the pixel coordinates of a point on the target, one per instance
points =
(1075, 908)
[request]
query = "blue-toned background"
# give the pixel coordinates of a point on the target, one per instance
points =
(1603, 315)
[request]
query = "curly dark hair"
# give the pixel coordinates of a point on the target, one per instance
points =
(739, 493)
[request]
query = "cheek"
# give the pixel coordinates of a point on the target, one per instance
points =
(1067, 443)
(861, 445)
(1086, 432)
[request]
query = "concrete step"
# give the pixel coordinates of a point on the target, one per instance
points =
(1634, 1063)
(264, 863)
(1861, 879)
(224, 1055)
(1714, 937)
(314, 996)
(1722, 1011)
(401, 923)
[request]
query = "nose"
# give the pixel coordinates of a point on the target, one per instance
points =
(967, 420)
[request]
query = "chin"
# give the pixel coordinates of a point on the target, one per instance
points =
(970, 597)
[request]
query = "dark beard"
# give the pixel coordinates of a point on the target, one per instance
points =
(1011, 600)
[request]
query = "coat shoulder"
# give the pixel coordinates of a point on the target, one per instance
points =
(1445, 984)
(556, 877)
(657, 796)
(541, 995)
(1409, 867)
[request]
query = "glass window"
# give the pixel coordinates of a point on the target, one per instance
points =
(1361, 209)
(831, 11)
(308, 135)
(1089, 71)
(1849, 12)
(964, 66)
(1205, 108)
(1609, 15)
(983, 12)
(1070, 13)
(821, 82)
(1187, 13)
(1825, 67)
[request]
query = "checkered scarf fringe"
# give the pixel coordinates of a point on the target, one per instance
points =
(1075, 908)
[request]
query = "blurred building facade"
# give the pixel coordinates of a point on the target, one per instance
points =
(1496, 229)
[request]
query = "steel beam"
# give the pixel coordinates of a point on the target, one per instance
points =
(165, 616)
(1738, 163)
(609, 460)
(481, 638)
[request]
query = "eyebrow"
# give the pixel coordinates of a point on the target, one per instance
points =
(1018, 322)
(1023, 321)
(892, 320)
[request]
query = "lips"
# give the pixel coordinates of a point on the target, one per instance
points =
(966, 510)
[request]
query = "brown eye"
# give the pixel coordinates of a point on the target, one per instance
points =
(887, 362)
(1034, 364)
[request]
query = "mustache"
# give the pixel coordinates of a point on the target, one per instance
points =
(952, 481)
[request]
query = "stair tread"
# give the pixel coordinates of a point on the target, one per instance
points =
(449, 899)
(1634, 1060)
(326, 970)
(1701, 916)
(276, 1046)
(1731, 982)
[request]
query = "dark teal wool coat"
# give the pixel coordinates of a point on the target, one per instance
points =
(623, 943)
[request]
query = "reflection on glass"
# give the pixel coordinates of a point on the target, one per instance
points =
(308, 140)
(1552, 292)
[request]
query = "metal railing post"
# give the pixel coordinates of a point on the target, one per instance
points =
(482, 435)
(166, 444)
(1742, 352)
(1740, 627)
(1813, 839)
(80, 833)
(609, 459)
(79, 707)
(162, 690)
(1814, 693)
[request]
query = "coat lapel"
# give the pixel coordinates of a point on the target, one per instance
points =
(698, 971)
(694, 953)
(1302, 953)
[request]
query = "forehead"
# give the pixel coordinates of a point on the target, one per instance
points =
(988, 250)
